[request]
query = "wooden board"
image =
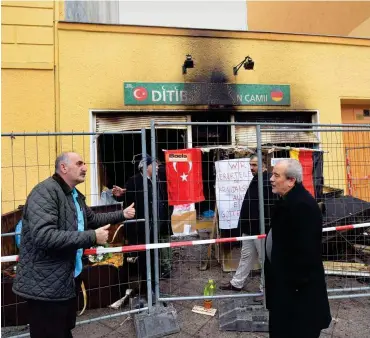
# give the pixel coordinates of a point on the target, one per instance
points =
(346, 269)
(345, 266)
(363, 248)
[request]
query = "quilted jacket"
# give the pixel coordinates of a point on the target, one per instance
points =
(50, 239)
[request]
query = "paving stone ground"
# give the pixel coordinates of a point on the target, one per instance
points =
(351, 317)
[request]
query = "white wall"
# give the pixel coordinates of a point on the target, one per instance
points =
(211, 14)
(207, 14)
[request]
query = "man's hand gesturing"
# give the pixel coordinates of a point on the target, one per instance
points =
(102, 234)
(118, 191)
(129, 212)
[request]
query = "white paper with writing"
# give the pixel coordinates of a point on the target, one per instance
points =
(232, 181)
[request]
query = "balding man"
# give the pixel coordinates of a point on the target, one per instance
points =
(296, 293)
(249, 225)
(56, 223)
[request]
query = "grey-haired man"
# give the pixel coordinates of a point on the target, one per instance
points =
(56, 228)
(296, 293)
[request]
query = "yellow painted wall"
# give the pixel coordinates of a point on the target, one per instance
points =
(93, 61)
(319, 73)
(28, 97)
(27, 34)
(343, 18)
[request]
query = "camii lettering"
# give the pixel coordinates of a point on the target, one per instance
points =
(252, 98)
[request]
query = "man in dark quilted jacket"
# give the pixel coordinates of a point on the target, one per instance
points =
(57, 227)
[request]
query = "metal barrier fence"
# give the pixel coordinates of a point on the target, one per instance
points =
(323, 153)
(180, 267)
(108, 281)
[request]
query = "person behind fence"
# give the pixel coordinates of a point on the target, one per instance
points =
(134, 193)
(164, 212)
(57, 226)
(296, 295)
(249, 225)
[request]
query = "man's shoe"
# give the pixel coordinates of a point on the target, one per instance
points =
(229, 286)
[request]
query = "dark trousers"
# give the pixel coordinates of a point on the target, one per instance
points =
(301, 334)
(53, 319)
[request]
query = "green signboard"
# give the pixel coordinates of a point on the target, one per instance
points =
(149, 93)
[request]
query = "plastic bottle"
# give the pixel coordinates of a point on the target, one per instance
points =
(209, 290)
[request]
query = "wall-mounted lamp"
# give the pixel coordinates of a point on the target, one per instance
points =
(188, 63)
(247, 62)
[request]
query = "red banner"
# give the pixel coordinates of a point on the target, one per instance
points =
(305, 158)
(184, 176)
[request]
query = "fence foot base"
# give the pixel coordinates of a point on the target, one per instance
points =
(242, 315)
(159, 323)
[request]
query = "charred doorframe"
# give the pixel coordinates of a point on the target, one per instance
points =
(314, 113)
(94, 170)
(94, 167)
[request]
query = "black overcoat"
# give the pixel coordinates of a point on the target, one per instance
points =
(295, 280)
(249, 213)
(135, 194)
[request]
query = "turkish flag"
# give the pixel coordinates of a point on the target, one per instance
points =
(184, 176)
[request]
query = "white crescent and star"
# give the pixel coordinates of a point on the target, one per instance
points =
(184, 177)
(140, 94)
(190, 166)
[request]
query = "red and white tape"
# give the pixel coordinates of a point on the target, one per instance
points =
(142, 247)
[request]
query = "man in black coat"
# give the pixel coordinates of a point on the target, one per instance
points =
(55, 230)
(296, 295)
(249, 225)
(134, 193)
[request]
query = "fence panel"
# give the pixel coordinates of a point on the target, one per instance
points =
(321, 149)
(107, 277)
(328, 168)
(197, 242)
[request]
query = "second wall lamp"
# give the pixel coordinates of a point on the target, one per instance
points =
(248, 65)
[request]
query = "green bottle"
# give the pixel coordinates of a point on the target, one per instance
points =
(209, 290)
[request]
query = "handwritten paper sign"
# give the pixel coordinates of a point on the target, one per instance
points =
(232, 181)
